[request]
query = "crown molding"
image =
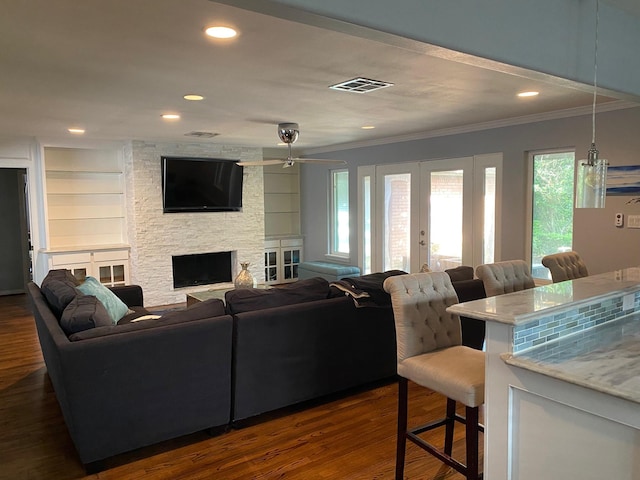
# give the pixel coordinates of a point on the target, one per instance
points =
(507, 122)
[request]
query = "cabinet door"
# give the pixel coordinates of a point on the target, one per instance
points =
(291, 258)
(271, 265)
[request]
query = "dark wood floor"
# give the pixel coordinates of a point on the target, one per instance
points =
(350, 436)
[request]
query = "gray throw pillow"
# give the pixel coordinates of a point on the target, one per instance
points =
(84, 312)
(59, 293)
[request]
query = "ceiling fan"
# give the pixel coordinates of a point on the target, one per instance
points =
(288, 133)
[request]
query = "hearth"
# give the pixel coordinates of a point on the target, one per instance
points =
(201, 269)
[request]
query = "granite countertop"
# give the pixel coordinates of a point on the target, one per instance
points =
(521, 307)
(602, 358)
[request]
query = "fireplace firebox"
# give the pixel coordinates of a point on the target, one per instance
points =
(201, 269)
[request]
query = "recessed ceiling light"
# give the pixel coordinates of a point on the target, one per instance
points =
(368, 127)
(170, 116)
(528, 94)
(193, 96)
(77, 131)
(221, 32)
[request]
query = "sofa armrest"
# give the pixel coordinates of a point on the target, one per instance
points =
(131, 295)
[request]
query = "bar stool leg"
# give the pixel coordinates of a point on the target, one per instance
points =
(471, 435)
(451, 419)
(402, 426)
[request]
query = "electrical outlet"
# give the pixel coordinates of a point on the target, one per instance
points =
(619, 221)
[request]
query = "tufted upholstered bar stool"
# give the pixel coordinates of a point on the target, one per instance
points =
(565, 266)
(505, 277)
(430, 354)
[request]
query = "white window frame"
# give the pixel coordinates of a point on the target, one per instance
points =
(333, 215)
(529, 225)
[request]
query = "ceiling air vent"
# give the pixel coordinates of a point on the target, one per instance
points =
(201, 134)
(361, 85)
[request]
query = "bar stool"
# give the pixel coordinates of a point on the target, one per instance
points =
(430, 353)
(505, 277)
(565, 266)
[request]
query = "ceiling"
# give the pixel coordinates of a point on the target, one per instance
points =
(113, 67)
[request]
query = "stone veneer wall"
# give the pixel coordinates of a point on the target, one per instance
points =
(155, 236)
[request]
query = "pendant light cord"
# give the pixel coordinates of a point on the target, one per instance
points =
(595, 77)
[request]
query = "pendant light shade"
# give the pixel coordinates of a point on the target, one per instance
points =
(591, 186)
(591, 182)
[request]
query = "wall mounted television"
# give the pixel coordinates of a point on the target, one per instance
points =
(201, 185)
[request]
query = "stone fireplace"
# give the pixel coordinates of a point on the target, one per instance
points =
(156, 237)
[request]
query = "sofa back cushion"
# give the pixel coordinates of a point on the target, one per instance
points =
(82, 313)
(249, 299)
(199, 311)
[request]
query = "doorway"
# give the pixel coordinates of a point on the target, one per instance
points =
(15, 262)
(440, 213)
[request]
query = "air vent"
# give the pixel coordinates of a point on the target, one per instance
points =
(361, 85)
(201, 134)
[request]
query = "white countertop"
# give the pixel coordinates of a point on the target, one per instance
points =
(521, 307)
(605, 358)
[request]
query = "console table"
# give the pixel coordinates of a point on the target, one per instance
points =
(562, 387)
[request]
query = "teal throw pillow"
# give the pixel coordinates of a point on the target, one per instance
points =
(115, 307)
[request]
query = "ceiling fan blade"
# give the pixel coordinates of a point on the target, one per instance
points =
(261, 163)
(319, 160)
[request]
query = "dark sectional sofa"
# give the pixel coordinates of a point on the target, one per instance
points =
(124, 386)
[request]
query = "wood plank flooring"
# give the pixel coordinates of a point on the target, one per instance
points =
(347, 436)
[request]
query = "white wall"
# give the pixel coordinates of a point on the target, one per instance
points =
(603, 246)
(155, 237)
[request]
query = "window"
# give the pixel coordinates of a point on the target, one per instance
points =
(551, 222)
(339, 213)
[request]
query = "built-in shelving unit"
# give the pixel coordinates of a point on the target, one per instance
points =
(86, 217)
(281, 200)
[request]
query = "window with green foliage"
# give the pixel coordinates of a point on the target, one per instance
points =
(339, 213)
(552, 207)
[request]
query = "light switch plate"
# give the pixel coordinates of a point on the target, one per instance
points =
(633, 221)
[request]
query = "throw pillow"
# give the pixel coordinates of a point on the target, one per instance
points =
(59, 294)
(213, 307)
(82, 313)
(62, 275)
(115, 307)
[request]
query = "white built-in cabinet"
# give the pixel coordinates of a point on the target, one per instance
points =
(281, 259)
(109, 264)
(85, 210)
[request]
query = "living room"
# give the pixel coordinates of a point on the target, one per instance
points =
(149, 232)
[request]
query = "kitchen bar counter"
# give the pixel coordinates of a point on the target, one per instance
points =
(562, 382)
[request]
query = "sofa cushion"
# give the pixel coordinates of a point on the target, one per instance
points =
(59, 294)
(116, 307)
(171, 318)
(213, 307)
(458, 274)
(366, 290)
(248, 299)
(82, 313)
(61, 274)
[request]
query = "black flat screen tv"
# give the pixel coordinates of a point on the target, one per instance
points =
(201, 185)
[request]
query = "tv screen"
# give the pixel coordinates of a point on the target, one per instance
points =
(201, 185)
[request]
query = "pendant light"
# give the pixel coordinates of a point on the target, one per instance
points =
(591, 187)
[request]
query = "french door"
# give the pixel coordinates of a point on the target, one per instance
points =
(440, 213)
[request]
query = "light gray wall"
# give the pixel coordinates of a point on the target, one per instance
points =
(603, 246)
